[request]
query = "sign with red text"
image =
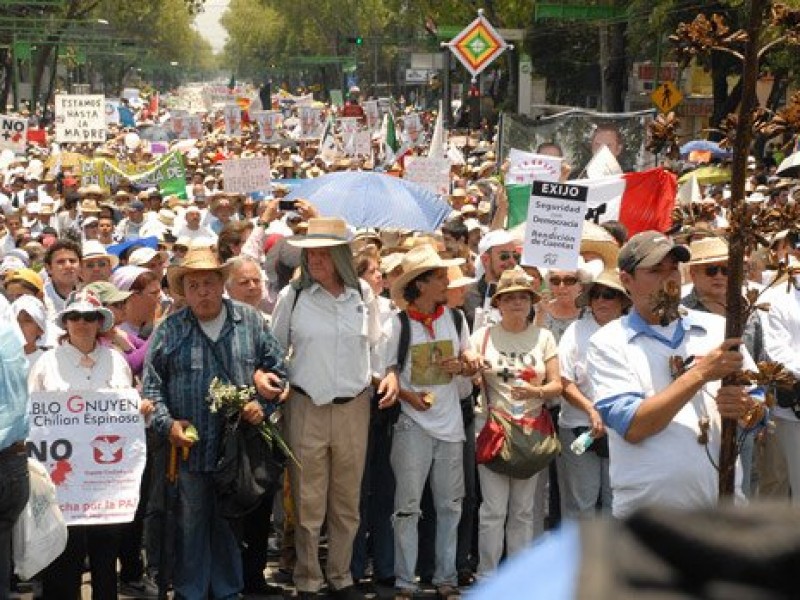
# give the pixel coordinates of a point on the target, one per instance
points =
(93, 445)
(80, 118)
(525, 167)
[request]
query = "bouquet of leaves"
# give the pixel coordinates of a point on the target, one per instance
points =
(229, 400)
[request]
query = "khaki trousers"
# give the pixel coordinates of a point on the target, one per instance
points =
(330, 442)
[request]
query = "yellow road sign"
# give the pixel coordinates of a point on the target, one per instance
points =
(666, 96)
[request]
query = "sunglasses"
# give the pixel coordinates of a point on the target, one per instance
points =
(604, 293)
(91, 317)
(557, 281)
(712, 270)
(505, 255)
(96, 264)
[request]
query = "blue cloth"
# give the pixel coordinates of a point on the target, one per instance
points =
(548, 569)
(14, 424)
(126, 118)
(180, 366)
(618, 411)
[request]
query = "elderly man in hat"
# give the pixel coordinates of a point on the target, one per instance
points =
(330, 321)
(656, 376)
(211, 337)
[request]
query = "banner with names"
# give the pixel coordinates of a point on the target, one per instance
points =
(245, 175)
(232, 115)
(525, 167)
(555, 222)
(80, 118)
(430, 172)
(93, 445)
(13, 133)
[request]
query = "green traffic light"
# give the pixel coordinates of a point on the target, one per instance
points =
(359, 40)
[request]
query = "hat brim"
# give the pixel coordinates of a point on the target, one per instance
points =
(704, 260)
(175, 275)
(106, 325)
(535, 297)
(317, 242)
(681, 254)
(607, 250)
(408, 276)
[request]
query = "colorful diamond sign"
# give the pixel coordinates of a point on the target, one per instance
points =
(477, 45)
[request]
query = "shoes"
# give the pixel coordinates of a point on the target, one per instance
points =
(283, 576)
(465, 578)
(262, 588)
(447, 592)
(142, 588)
(347, 593)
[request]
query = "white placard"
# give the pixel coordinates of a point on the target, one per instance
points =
(372, 114)
(310, 124)
(179, 125)
(412, 126)
(93, 445)
(80, 118)
(194, 127)
(555, 222)
(269, 124)
(245, 175)
(112, 112)
(525, 167)
(431, 173)
(13, 133)
(348, 125)
(233, 119)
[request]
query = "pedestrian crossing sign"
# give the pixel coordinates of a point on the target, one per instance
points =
(666, 96)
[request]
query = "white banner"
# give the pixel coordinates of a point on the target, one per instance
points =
(555, 222)
(112, 112)
(245, 175)
(80, 119)
(93, 445)
(13, 133)
(233, 119)
(525, 167)
(431, 173)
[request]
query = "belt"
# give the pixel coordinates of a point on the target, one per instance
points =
(337, 400)
(15, 448)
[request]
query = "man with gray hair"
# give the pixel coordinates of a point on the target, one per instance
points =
(245, 281)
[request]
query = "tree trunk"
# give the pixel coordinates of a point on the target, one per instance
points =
(5, 89)
(616, 74)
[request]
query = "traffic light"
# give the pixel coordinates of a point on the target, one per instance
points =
(357, 40)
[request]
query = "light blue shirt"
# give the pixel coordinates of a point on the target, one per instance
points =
(14, 424)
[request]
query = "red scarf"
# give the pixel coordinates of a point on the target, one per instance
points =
(426, 319)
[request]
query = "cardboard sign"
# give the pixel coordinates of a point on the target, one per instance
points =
(93, 445)
(525, 167)
(555, 223)
(80, 118)
(13, 133)
(431, 173)
(245, 175)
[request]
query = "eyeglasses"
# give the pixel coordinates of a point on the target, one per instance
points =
(605, 293)
(96, 264)
(505, 255)
(89, 317)
(557, 281)
(712, 270)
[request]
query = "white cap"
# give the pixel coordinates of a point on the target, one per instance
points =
(496, 237)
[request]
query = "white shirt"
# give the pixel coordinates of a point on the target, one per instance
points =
(782, 335)
(62, 369)
(572, 351)
(329, 339)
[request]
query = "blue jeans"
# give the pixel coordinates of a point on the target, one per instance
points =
(414, 455)
(208, 561)
(14, 491)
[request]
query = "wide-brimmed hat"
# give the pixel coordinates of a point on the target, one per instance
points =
(108, 292)
(94, 249)
(94, 190)
(141, 256)
(415, 262)
(196, 260)
(608, 278)
(708, 250)
(457, 279)
(515, 280)
(166, 217)
(323, 232)
(86, 302)
(89, 206)
(598, 240)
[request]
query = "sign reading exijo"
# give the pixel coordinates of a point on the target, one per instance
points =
(80, 118)
(93, 445)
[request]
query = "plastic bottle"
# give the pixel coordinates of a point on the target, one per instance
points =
(582, 443)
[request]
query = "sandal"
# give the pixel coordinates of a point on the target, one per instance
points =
(448, 592)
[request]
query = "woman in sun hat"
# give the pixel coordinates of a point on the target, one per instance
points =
(583, 479)
(329, 321)
(80, 362)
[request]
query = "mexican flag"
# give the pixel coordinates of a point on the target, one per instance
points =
(640, 201)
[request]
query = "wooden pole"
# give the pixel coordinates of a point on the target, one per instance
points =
(734, 325)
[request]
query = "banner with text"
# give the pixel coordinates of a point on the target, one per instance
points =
(13, 133)
(93, 445)
(431, 173)
(525, 167)
(80, 118)
(167, 173)
(245, 175)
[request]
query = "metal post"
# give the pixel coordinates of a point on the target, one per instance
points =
(446, 93)
(15, 72)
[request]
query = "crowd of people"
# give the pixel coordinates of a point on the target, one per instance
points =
(384, 351)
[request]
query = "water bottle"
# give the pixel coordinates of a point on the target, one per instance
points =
(582, 443)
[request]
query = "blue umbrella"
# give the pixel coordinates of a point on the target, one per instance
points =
(367, 199)
(705, 146)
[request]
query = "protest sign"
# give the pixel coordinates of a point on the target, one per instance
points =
(232, 115)
(310, 124)
(348, 125)
(431, 173)
(112, 112)
(269, 122)
(337, 99)
(93, 445)
(555, 222)
(167, 173)
(80, 118)
(372, 114)
(194, 127)
(13, 133)
(412, 127)
(245, 175)
(525, 167)
(178, 123)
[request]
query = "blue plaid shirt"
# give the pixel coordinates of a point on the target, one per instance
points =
(180, 366)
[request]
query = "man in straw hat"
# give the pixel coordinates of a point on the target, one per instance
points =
(211, 337)
(656, 375)
(429, 433)
(329, 320)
